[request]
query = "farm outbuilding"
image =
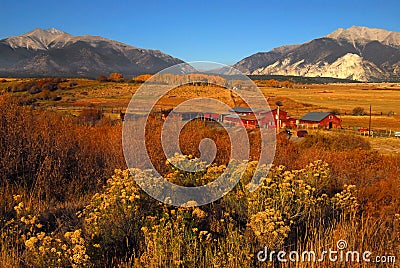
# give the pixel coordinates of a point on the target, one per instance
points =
(248, 117)
(214, 116)
(320, 120)
(237, 116)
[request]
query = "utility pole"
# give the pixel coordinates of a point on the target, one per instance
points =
(278, 120)
(278, 123)
(369, 125)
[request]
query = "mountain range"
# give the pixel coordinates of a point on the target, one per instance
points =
(53, 52)
(357, 53)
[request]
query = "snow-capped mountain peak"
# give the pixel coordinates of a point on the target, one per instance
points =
(45, 33)
(359, 53)
(52, 52)
(39, 39)
(363, 35)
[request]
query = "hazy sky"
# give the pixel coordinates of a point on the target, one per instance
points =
(221, 31)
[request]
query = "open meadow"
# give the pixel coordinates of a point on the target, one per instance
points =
(68, 200)
(112, 98)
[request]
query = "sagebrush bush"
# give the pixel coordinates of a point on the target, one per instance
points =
(291, 210)
(336, 142)
(160, 235)
(39, 247)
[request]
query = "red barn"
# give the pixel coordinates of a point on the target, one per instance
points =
(213, 116)
(243, 111)
(283, 117)
(248, 117)
(233, 120)
(291, 122)
(320, 120)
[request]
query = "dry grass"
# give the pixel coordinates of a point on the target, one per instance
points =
(9, 258)
(187, 92)
(386, 145)
(114, 97)
(383, 97)
(344, 97)
(377, 122)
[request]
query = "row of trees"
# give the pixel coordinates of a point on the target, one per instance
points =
(276, 84)
(38, 85)
(113, 77)
(199, 79)
(167, 79)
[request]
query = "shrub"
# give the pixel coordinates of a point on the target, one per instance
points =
(34, 90)
(124, 219)
(90, 116)
(114, 218)
(53, 156)
(46, 249)
(72, 84)
(116, 77)
(45, 95)
(37, 85)
(358, 111)
(335, 142)
(141, 78)
(291, 210)
(102, 78)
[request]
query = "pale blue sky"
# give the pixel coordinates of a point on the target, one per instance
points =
(220, 31)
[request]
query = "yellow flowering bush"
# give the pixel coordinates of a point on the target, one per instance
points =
(170, 238)
(24, 224)
(187, 163)
(44, 250)
(113, 218)
(269, 228)
(293, 200)
(285, 191)
(346, 200)
(122, 220)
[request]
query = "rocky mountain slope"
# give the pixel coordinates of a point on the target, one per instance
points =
(53, 52)
(357, 53)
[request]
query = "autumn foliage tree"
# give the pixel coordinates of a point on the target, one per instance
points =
(38, 85)
(141, 78)
(195, 79)
(116, 77)
(278, 84)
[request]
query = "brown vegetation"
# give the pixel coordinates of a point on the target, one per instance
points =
(275, 83)
(141, 78)
(113, 77)
(59, 164)
(53, 156)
